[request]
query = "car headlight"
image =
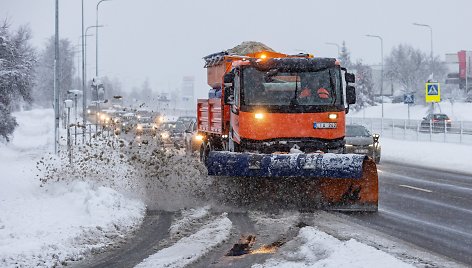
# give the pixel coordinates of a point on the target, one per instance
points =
(199, 137)
(348, 145)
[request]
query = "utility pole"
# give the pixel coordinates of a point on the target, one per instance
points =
(56, 81)
(84, 92)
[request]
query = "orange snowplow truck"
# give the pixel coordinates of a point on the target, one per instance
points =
(276, 115)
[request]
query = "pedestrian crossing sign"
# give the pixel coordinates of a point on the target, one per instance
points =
(433, 92)
(408, 98)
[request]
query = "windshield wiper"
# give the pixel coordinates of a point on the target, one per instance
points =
(294, 100)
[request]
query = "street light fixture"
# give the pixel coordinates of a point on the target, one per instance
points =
(96, 39)
(334, 44)
(382, 69)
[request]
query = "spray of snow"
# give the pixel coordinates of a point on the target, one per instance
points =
(56, 214)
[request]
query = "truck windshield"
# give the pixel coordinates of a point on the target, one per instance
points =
(281, 88)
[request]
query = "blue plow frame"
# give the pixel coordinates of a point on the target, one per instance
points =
(342, 166)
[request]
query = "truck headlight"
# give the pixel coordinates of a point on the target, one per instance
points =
(259, 115)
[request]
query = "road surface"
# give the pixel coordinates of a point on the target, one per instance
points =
(427, 207)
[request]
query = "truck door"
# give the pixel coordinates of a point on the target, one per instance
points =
(234, 110)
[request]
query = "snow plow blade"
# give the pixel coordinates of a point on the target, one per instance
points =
(346, 182)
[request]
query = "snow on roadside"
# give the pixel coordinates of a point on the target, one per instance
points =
(190, 248)
(446, 156)
(50, 224)
(189, 218)
(313, 248)
(458, 112)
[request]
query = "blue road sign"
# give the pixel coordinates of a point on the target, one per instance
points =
(408, 99)
(433, 89)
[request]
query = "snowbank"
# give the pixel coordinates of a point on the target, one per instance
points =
(190, 248)
(49, 224)
(447, 156)
(313, 248)
(458, 111)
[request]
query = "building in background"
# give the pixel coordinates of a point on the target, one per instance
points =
(460, 70)
(187, 95)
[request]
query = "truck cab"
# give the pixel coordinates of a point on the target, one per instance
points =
(274, 102)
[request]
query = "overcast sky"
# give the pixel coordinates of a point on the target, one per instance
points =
(165, 40)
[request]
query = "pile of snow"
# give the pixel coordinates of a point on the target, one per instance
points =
(313, 248)
(248, 47)
(51, 222)
(191, 248)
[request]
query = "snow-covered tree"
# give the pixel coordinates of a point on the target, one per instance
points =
(411, 68)
(345, 56)
(17, 58)
(364, 86)
(43, 93)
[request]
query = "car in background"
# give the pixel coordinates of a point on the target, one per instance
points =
(359, 140)
(186, 120)
(193, 140)
(146, 125)
(173, 133)
(128, 122)
(435, 123)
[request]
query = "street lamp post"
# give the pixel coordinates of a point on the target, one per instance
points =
(96, 39)
(382, 69)
(56, 80)
(334, 44)
(88, 28)
(84, 92)
(431, 33)
(431, 63)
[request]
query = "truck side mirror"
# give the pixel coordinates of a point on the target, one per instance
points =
(350, 94)
(376, 137)
(350, 78)
(228, 95)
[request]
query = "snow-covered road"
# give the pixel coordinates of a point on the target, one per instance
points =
(50, 223)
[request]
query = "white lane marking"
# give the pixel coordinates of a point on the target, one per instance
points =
(415, 188)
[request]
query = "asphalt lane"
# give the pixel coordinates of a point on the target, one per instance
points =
(427, 207)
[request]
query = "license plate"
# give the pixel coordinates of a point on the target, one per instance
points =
(361, 151)
(325, 125)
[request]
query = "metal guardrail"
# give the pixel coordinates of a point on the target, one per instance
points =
(457, 132)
